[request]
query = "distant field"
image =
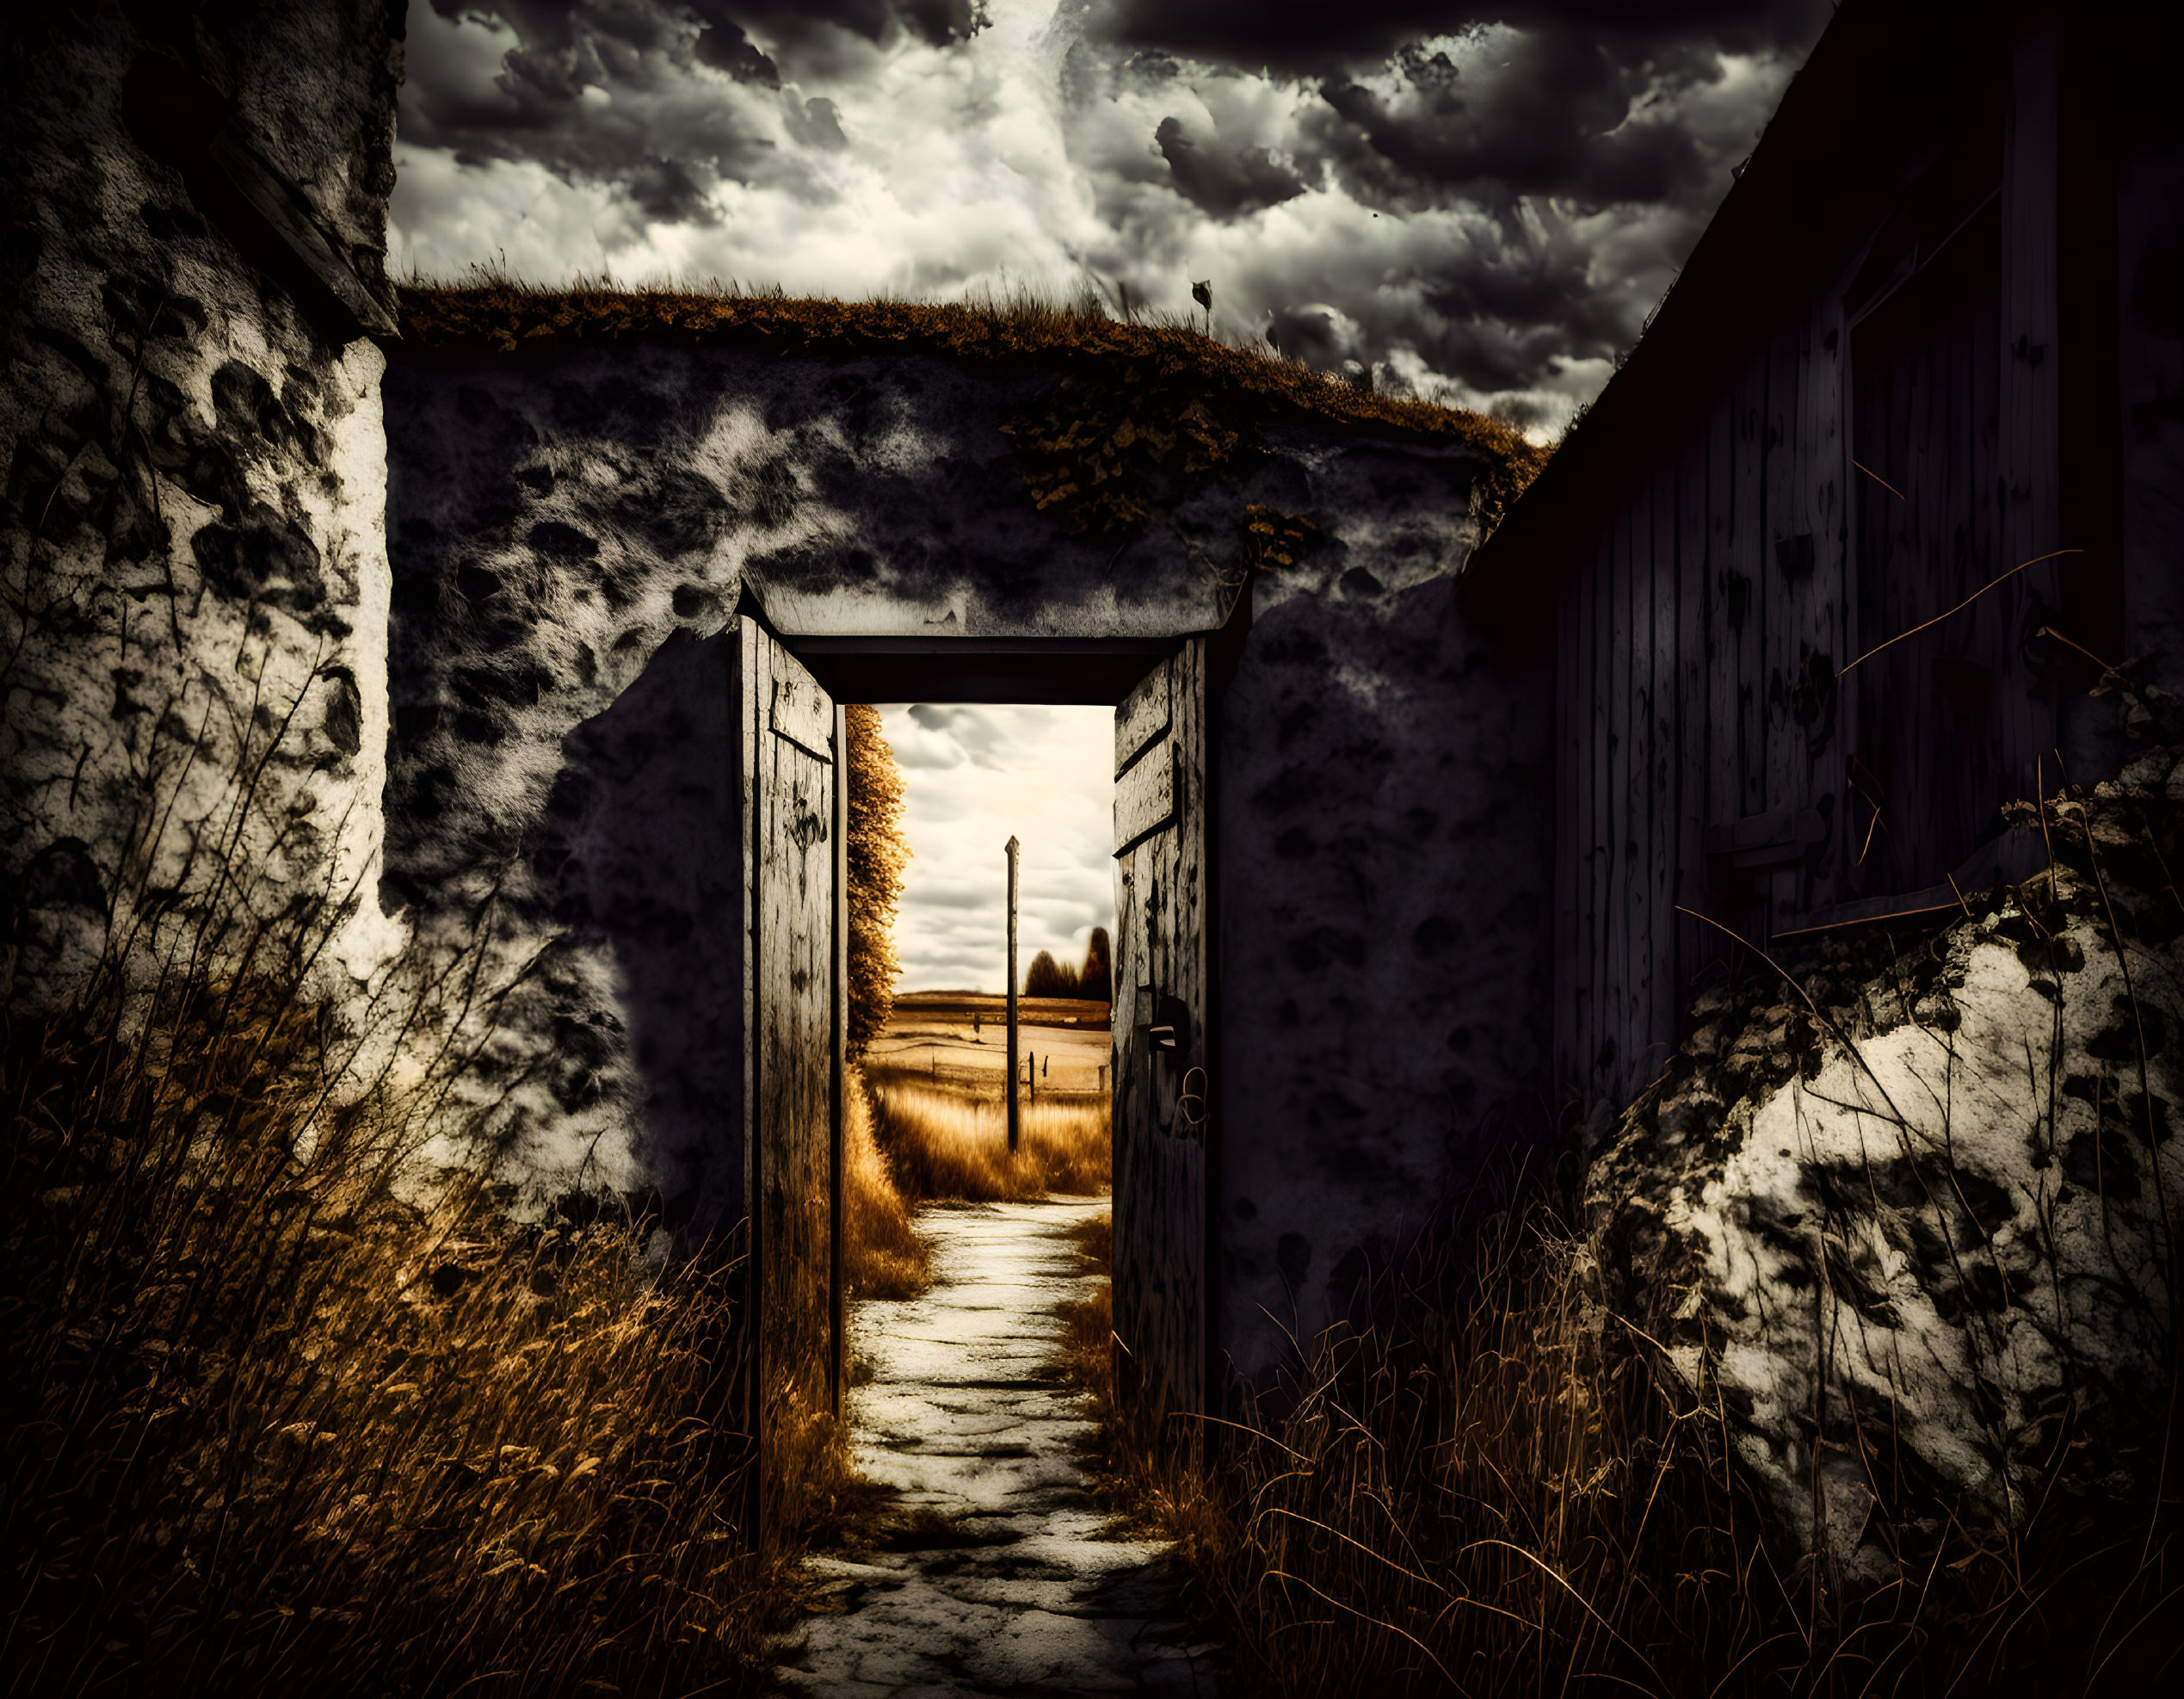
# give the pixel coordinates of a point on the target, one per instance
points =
(962, 1038)
(1031, 1011)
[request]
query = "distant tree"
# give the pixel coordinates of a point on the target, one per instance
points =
(877, 852)
(1046, 977)
(1096, 981)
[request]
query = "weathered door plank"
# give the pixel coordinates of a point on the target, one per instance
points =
(791, 1094)
(1161, 1097)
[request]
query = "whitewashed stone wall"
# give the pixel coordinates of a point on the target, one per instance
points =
(193, 574)
(571, 532)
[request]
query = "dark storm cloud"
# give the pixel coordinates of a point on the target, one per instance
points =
(1525, 115)
(670, 127)
(937, 22)
(1223, 181)
(1479, 201)
(1561, 116)
(1311, 34)
(663, 147)
(722, 45)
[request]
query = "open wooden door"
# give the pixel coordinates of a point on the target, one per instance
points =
(791, 812)
(1161, 1006)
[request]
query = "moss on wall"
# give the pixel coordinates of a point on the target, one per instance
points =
(1139, 413)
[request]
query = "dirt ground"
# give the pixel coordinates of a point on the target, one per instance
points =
(962, 1039)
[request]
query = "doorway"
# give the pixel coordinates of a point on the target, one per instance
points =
(793, 1019)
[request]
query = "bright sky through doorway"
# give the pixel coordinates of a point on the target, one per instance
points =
(972, 777)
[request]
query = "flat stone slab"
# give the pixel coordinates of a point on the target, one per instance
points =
(964, 1418)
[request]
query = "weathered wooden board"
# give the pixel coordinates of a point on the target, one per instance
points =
(1785, 553)
(1660, 1000)
(1636, 884)
(1143, 719)
(800, 711)
(1821, 456)
(1571, 745)
(790, 1001)
(837, 1172)
(1599, 686)
(1693, 746)
(1161, 1099)
(1616, 729)
(1928, 421)
(2029, 521)
(1144, 796)
(1746, 584)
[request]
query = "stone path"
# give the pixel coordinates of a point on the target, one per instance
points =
(1015, 1592)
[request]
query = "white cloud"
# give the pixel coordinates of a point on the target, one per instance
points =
(1039, 774)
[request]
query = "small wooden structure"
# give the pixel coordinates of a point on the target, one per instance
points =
(1822, 572)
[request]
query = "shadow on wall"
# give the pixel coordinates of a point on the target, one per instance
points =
(638, 857)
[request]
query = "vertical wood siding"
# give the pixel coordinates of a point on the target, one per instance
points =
(1699, 647)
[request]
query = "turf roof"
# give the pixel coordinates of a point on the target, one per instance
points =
(509, 319)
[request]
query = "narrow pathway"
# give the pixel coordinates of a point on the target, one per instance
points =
(1004, 1585)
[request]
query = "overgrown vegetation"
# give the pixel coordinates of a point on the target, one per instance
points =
(943, 1143)
(877, 853)
(882, 1255)
(1496, 1475)
(274, 1424)
(1487, 1486)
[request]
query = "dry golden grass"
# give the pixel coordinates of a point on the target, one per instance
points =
(945, 1143)
(505, 315)
(1085, 1352)
(269, 1428)
(1484, 1489)
(882, 1254)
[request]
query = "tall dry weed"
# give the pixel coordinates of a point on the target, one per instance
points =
(945, 1143)
(882, 1255)
(1486, 1485)
(268, 1427)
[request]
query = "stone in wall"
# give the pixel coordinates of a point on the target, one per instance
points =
(193, 578)
(1383, 860)
(1914, 1240)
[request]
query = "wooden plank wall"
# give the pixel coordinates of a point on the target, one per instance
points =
(1161, 1100)
(1682, 646)
(1701, 645)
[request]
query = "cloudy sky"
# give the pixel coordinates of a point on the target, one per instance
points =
(1479, 200)
(975, 777)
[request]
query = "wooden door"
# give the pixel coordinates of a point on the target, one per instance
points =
(792, 812)
(1161, 1007)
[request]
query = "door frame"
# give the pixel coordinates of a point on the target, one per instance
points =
(1087, 671)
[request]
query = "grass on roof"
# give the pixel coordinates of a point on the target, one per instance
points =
(1020, 331)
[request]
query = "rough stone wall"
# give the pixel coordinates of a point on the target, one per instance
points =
(1915, 1240)
(565, 525)
(1385, 961)
(192, 626)
(560, 528)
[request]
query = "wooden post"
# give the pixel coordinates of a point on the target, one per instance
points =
(1014, 1114)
